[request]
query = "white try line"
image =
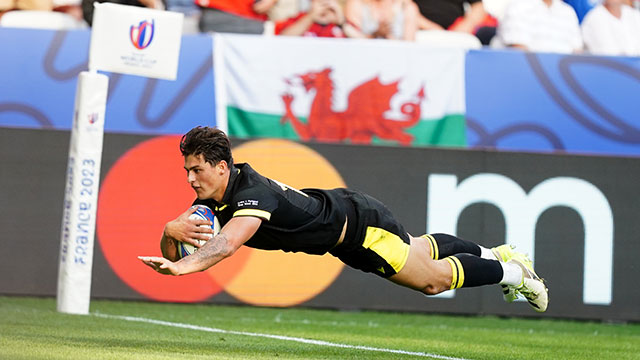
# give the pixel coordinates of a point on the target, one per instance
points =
(277, 337)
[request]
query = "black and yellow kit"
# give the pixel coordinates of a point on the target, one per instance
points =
(311, 221)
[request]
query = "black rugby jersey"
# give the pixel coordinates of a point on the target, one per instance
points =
(307, 220)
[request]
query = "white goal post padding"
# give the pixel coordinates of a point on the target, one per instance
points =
(81, 194)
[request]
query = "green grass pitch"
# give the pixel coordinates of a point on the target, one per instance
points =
(30, 328)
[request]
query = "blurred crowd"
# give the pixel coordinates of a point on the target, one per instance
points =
(601, 27)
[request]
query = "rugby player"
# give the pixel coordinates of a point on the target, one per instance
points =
(356, 228)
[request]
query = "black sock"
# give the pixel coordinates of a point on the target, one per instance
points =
(470, 270)
(443, 245)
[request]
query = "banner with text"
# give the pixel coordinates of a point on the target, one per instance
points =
(352, 91)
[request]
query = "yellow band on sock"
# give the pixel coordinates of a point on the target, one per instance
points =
(433, 245)
(457, 276)
(460, 272)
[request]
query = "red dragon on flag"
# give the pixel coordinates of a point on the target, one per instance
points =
(362, 120)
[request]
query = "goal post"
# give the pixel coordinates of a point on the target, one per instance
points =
(81, 194)
(128, 40)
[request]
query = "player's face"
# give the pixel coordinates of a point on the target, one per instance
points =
(208, 181)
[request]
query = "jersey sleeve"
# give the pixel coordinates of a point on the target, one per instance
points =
(253, 202)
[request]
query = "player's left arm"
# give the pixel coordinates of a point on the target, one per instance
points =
(233, 235)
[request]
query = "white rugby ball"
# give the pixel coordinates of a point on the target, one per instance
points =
(202, 213)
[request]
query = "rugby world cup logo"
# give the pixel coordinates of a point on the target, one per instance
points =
(142, 35)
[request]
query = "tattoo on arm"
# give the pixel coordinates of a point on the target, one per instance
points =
(210, 253)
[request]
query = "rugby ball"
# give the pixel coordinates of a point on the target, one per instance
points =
(202, 213)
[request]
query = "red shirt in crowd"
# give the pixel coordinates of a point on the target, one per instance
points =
(317, 30)
(242, 8)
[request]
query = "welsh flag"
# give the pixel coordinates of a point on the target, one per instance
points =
(339, 90)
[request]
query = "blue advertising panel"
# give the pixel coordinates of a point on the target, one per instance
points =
(547, 102)
(515, 100)
(39, 71)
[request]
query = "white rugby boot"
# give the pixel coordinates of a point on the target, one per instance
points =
(532, 287)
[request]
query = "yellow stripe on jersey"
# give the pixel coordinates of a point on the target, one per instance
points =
(388, 245)
(221, 207)
(253, 212)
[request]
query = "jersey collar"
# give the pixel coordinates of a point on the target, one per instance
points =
(233, 175)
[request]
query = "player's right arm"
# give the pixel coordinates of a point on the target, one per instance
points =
(233, 235)
(185, 230)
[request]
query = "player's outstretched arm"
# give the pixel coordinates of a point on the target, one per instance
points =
(235, 233)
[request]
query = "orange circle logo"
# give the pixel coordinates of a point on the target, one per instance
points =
(146, 188)
(276, 278)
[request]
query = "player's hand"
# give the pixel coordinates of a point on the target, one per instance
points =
(188, 230)
(160, 264)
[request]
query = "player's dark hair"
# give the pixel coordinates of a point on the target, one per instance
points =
(213, 144)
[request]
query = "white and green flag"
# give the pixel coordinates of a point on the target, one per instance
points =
(339, 90)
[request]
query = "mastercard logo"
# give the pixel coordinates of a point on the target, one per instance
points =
(147, 187)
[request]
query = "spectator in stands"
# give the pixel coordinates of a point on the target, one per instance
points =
(384, 19)
(87, 6)
(191, 14)
(42, 5)
(43, 14)
(541, 26)
(451, 15)
(325, 18)
(582, 7)
(234, 16)
(285, 9)
(72, 8)
(612, 28)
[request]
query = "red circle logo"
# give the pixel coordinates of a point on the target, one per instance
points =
(146, 188)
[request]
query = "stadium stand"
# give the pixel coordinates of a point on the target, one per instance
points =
(445, 38)
(38, 19)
